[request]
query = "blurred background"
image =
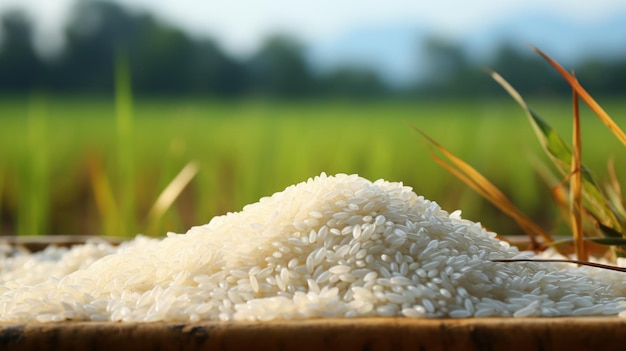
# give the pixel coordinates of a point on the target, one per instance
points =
(138, 116)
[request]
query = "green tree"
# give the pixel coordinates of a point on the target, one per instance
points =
(603, 76)
(20, 67)
(279, 69)
(450, 72)
(212, 71)
(96, 30)
(163, 59)
(353, 82)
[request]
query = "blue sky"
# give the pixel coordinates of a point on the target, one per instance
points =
(240, 25)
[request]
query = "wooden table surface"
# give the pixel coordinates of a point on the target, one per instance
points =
(589, 333)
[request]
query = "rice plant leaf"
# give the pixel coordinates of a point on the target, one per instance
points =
(486, 189)
(610, 232)
(613, 241)
(613, 192)
(553, 144)
(557, 187)
(584, 95)
(561, 155)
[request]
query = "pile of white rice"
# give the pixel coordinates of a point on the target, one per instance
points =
(334, 246)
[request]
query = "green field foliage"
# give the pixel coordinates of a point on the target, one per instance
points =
(54, 150)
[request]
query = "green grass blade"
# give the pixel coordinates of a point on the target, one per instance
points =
(125, 149)
(34, 208)
(561, 155)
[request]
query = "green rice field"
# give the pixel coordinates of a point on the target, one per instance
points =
(86, 166)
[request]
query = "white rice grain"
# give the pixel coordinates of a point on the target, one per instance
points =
(333, 246)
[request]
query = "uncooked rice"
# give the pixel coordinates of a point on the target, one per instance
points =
(333, 246)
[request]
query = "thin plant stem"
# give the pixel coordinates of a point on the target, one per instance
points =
(576, 207)
(556, 260)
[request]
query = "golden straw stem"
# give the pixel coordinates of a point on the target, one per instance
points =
(576, 184)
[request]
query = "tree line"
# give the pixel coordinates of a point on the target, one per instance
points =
(167, 61)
